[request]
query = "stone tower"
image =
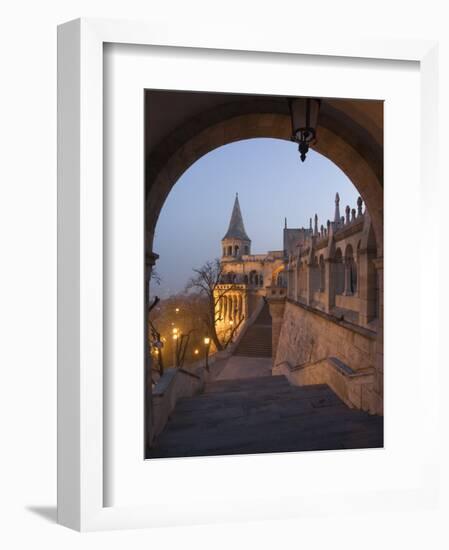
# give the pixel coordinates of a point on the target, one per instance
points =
(236, 242)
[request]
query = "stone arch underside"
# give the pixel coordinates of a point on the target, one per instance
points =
(345, 142)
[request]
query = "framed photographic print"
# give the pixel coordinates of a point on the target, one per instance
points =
(234, 328)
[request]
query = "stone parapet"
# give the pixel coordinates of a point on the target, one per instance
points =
(355, 388)
(320, 348)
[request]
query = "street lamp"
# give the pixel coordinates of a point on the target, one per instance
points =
(304, 118)
(175, 347)
(207, 344)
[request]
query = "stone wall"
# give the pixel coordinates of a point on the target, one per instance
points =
(309, 336)
(316, 348)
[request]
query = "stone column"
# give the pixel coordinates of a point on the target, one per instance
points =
(366, 287)
(277, 306)
(379, 376)
(150, 260)
(295, 279)
(347, 286)
(329, 284)
(223, 309)
(290, 276)
(309, 283)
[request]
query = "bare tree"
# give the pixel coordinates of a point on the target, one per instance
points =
(207, 282)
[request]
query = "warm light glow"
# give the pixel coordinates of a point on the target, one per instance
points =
(175, 336)
(231, 322)
(196, 351)
(177, 309)
(175, 331)
(207, 341)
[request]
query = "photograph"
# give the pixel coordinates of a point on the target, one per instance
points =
(263, 274)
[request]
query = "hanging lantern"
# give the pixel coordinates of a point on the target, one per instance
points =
(304, 118)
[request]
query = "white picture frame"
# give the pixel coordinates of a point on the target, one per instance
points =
(81, 488)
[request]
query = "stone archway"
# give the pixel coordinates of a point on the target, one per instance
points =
(349, 134)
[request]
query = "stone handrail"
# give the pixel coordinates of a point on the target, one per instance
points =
(352, 386)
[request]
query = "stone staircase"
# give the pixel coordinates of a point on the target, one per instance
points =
(256, 342)
(262, 415)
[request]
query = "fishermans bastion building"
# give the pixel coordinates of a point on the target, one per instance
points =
(322, 290)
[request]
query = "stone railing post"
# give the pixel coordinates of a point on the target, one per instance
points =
(276, 303)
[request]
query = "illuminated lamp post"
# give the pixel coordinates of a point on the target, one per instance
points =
(304, 119)
(175, 347)
(207, 344)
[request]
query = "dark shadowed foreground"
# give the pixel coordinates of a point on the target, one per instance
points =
(263, 415)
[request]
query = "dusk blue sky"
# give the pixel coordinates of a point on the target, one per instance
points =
(272, 184)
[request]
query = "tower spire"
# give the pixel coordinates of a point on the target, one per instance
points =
(236, 229)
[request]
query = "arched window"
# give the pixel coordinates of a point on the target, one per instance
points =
(351, 271)
(236, 250)
(246, 249)
(224, 251)
(261, 279)
(339, 273)
(315, 275)
(245, 279)
(280, 280)
(252, 276)
(322, 274)
(229, 250)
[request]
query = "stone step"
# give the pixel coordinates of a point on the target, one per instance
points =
(247, 384)
(253, 355)
(265, 414)
(256, 342)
